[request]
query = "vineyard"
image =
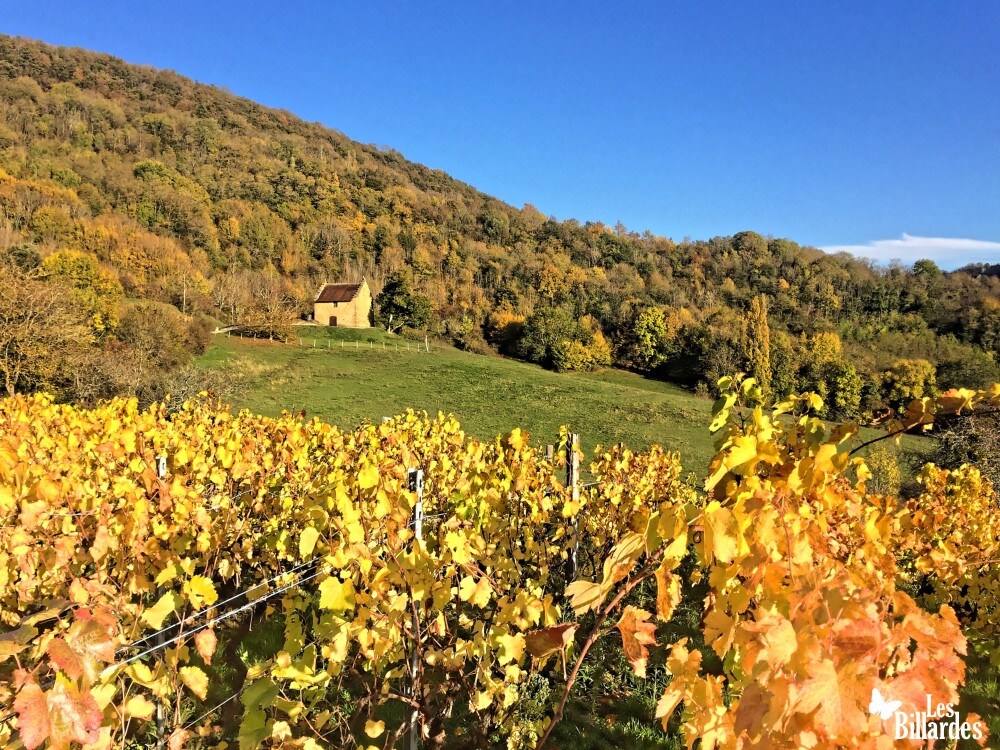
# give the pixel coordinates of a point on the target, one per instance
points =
(420, 586)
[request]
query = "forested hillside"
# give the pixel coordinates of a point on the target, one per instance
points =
(137, 208)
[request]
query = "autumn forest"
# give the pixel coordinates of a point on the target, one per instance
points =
(141, 195)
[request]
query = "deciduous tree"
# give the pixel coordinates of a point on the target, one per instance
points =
(41, 331)
(95, 290)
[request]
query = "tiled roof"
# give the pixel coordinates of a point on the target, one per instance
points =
(338, 292)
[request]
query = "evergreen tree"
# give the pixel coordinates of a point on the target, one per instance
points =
(399, 306)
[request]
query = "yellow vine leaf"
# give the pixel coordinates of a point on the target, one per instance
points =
(164, 607)
(458, 543)
(516, 439)
(368, 477)
(684, 665)
(721, 533)
(475, 592)
(511, 647)
(48, 490)
(195, 680)
(200, 590)
(138, 707)
(104, 694)
(336, 595)
(622, 559)
(206, 641)
(482, 700)
(169, 573)
(668, 590)
(307, 542)
(584, 596)
(742, 453)
(833, 697)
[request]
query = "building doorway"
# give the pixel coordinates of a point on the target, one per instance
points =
(333, 320)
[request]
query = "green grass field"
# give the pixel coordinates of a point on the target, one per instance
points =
(352, 376)
(346, 377)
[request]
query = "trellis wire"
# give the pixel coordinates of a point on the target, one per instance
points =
(234, 597)
(213, 621)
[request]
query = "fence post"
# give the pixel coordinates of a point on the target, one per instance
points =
(314, 343)
(416, 484)
(573, 482)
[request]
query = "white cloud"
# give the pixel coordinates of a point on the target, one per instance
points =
(948, 252)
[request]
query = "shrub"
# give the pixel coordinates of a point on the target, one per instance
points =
(199, 333)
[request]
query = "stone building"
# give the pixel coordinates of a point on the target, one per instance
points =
(344, 305)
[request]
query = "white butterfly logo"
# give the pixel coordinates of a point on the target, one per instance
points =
(879, 705)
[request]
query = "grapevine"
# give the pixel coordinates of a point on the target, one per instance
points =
(120, 585)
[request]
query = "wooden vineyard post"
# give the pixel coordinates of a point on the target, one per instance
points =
(416, 484)
(573, 482)
(416, 480)
(549, 452)
(159, 639)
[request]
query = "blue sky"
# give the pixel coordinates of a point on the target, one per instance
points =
(838, 124)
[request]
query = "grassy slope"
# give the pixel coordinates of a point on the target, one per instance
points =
(355, 375)
(489, 395)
